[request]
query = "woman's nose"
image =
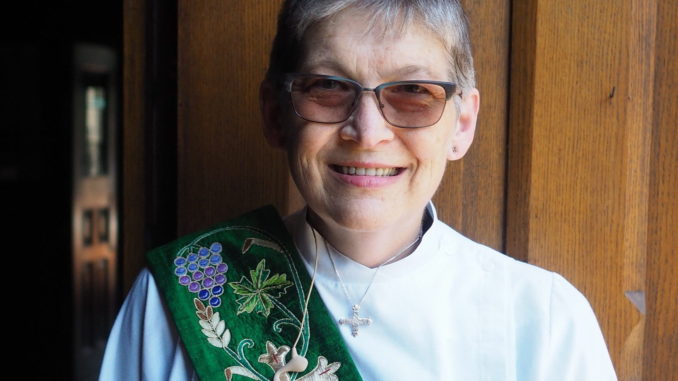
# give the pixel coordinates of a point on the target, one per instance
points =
(367, 126)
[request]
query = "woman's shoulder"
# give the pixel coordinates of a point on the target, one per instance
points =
(547, 315)
(143, 343)
(464, 249)
(525, 281)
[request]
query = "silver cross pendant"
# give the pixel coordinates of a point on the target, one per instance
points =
(356, 321)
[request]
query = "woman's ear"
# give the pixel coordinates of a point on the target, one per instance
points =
(271, 112)
(466, 125)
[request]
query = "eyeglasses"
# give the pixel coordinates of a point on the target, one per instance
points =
(329, 99)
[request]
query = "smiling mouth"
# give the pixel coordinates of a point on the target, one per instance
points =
(360, 171)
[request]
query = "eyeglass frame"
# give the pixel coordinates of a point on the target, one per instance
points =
(449, 88)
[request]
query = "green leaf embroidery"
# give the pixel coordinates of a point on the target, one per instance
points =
(257, 293)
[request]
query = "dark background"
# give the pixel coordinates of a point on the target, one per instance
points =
(35, 172)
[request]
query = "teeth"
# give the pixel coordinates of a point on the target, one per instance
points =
(368, 171)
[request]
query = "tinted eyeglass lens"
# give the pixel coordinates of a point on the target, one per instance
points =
(413, 104)
(323, 100)
(332, 100)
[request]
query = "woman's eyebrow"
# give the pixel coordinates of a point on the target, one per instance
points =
(399, 72)
(411, 69)
(327, 64)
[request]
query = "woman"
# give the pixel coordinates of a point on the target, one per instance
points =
(369, 99)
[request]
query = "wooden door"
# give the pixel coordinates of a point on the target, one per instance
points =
(95, 211)
(590, 144)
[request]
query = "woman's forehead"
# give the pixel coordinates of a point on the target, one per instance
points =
(343, 45)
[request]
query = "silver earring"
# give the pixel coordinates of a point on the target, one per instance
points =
(454, 149)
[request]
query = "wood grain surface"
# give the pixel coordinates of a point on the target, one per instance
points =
(225, 167)
(583, 101)
(133, 218)
(661, 331)
(572, 218)
(471, 195)
(521, 121)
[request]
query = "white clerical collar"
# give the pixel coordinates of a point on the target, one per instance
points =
(352, 271)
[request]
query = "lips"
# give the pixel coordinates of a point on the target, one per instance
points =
(363, 171)
(367, 175)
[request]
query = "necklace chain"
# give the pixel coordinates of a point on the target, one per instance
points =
(356, 321)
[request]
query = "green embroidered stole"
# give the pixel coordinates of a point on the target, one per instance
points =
(236, 293)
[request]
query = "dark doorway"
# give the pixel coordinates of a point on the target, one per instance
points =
(38, 112)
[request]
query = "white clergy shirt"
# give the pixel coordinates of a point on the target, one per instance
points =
(451, 310)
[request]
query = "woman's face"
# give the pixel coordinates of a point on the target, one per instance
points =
(398, 169)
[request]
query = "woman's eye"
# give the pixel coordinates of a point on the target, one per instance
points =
(409, 90)
(413, 89)
(327, 84)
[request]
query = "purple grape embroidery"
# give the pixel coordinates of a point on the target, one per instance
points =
(203, 272)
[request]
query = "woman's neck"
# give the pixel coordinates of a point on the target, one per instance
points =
(370, 248)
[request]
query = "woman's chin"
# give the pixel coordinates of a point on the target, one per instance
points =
(364, 218)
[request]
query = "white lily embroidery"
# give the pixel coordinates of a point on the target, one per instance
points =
(322, 371)
(274, 357)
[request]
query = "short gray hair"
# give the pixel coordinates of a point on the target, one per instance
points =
(445, 18)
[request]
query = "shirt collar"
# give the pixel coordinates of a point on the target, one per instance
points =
(353, 272)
